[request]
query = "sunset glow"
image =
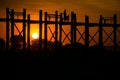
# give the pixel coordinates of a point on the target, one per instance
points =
(37, 33)
(35, 36)
(91, 8)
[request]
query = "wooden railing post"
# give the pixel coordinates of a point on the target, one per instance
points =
(24, 30)
(115, 33)
(28, 35)
(40, 29)
(87, 32)
(100, 32)
(56, 27)
(7, 29)
(74, 29)
(45, 32)
(12, 30)
(60, 35)
(72, 20)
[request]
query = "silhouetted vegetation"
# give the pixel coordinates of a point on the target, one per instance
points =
(51, 46)
(17, 41)
(56, 53)
(89, 60)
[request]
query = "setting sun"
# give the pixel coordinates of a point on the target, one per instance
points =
(35, 35)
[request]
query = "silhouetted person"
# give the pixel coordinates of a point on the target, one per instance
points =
(66, 17)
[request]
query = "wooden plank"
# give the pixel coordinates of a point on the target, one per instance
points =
(63, 23)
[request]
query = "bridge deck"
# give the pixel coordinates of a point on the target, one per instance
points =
(63, 23)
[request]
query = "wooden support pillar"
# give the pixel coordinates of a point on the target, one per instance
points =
(40, 29)
(24, 30)
(28, 35)
(56, 27)
(74, 29)
(115, 33)
(100, 32)
(60, 37)
(45, 32)
(12, 30)
(72, 20)
(87, 32)
(7, 29)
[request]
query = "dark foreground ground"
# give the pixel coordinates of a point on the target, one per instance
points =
(61, 64)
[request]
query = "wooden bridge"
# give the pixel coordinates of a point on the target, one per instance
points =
(58, 19)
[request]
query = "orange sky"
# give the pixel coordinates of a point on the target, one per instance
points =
(92, 8)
